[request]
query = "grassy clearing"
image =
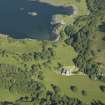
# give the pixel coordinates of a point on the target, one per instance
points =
(98, 49)
(97, 45)
(6, 95)
(63, 53)
(81, 82)
(20, 46)
(14, 47)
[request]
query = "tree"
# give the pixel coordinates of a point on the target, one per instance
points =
(56, 89)
(97, 103)
(73, 88)
(84, 93)
(102, 88)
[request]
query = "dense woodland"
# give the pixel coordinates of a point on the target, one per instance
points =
(79, 35)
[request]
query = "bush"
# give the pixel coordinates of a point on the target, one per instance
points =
(102, 88)
(73, 88)
(84, 93)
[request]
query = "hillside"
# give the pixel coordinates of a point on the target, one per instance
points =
(69, 71)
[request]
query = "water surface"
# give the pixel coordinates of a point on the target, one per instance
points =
(17, 21)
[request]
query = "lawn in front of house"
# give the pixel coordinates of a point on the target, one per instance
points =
(82, 82)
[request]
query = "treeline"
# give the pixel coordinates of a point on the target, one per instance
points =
(27, 81)
(95, 5)
(17, 79)
(43, 55)
(50, 98)
(80, 37)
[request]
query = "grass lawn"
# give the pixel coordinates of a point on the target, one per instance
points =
(5, 95)
(63, 53)
(81, 82)
(13, 48)
(97, 45)
(20, 46)
(98, 48)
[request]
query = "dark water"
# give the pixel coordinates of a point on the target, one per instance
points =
(102, 27)
(15, 21)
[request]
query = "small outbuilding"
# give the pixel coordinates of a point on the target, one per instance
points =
(68, 70)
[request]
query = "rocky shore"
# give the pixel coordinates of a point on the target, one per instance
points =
(57, 24)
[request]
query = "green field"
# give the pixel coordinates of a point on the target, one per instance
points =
(97, 46)
(63, 54)
(13, 48)
(81, 82)
(12, 51)
(6, 95)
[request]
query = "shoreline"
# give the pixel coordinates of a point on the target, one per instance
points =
(61, 24)
(53, 36)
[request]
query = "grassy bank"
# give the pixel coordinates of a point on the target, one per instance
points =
(81, 8)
